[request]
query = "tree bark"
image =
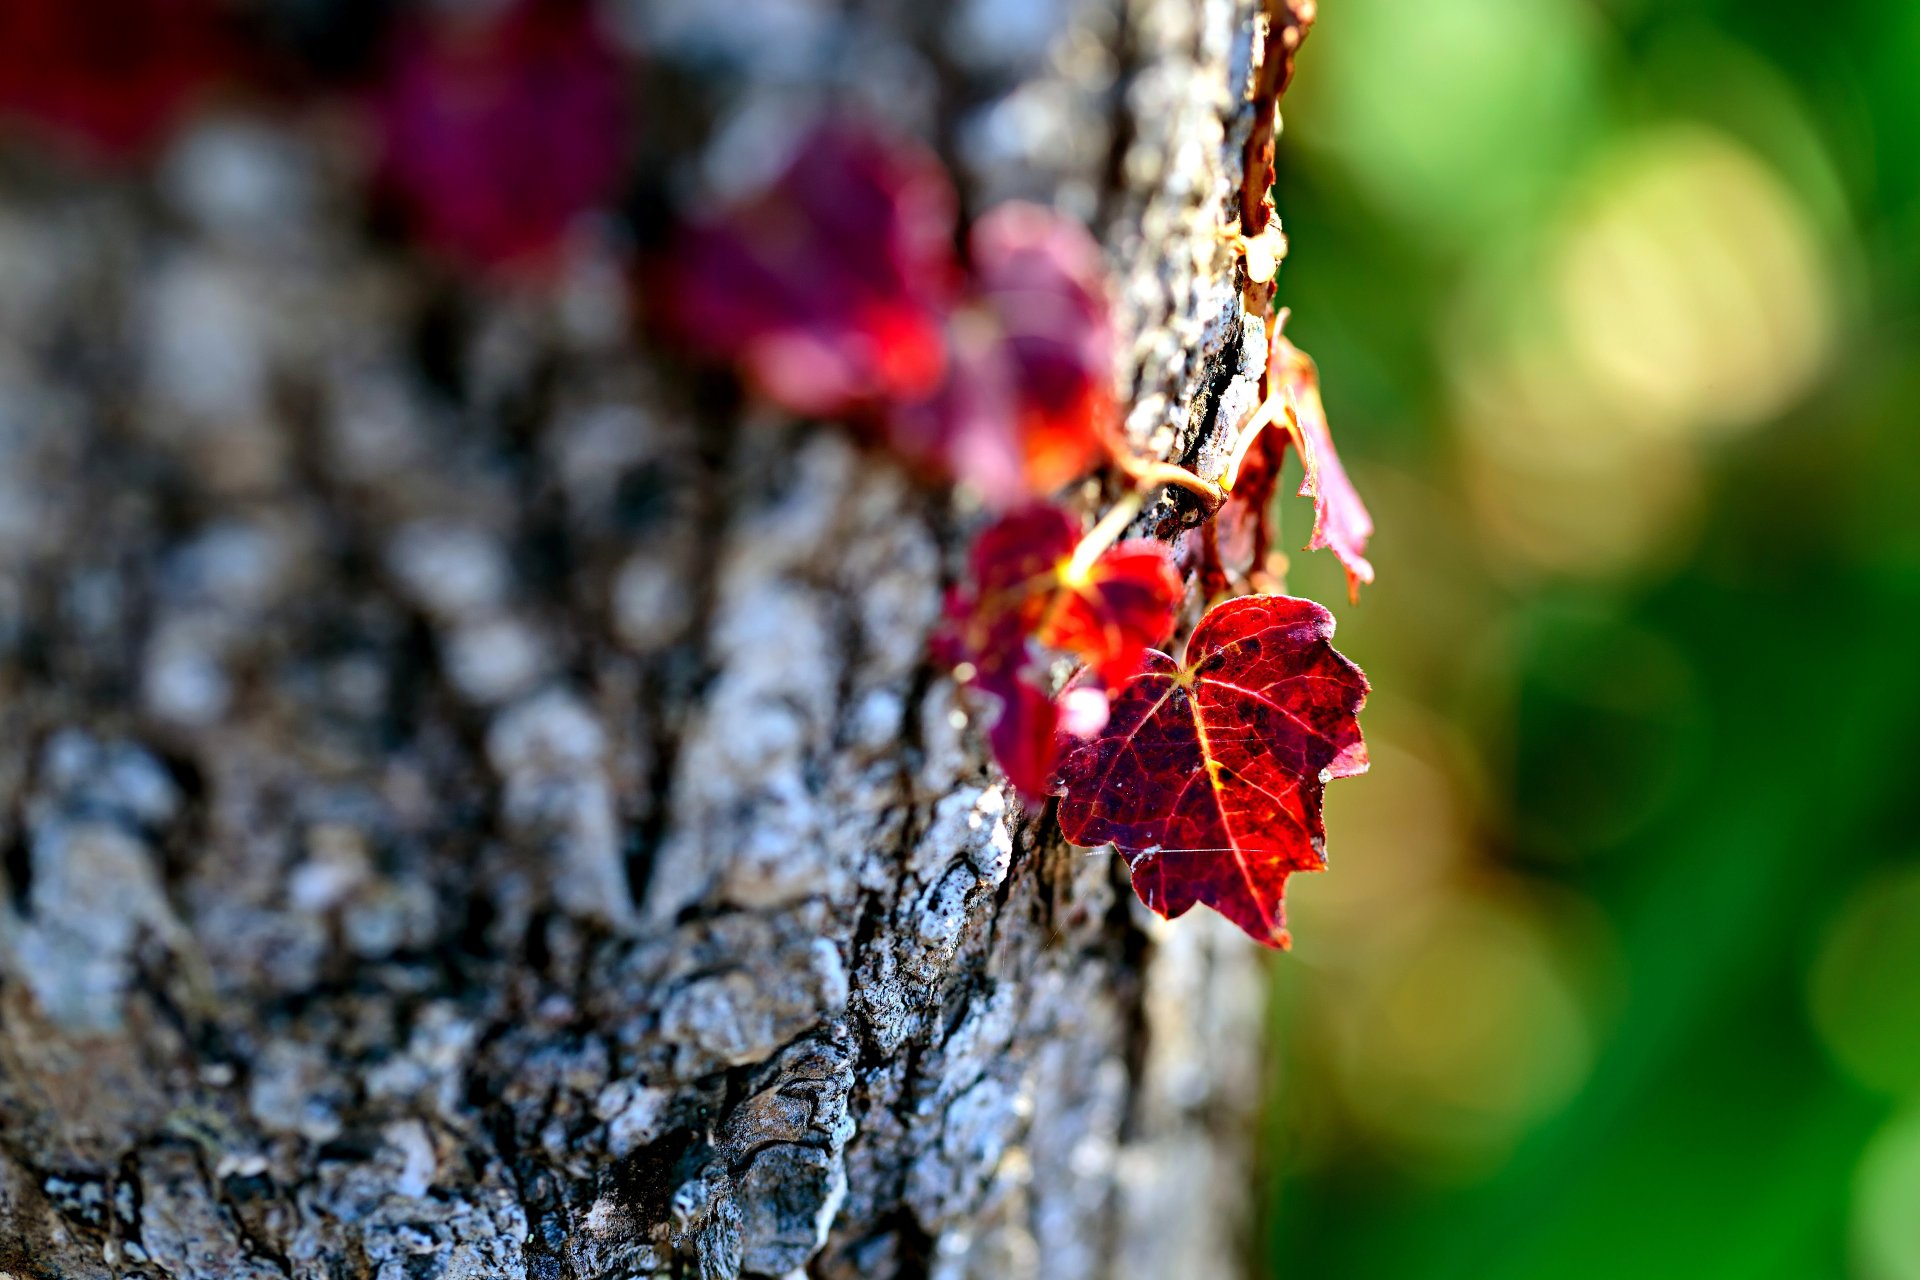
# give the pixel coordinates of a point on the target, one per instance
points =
(476, 802)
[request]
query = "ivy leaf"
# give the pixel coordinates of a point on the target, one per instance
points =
(1028, 405)
(1243, 527)
(1209, 774)
(1023, 585)
(1025, 734)
(501, 128)
(1340, 519)
(1024, 596)
(837, 293)
(829, 289)
(110, 75)
(1110, 614)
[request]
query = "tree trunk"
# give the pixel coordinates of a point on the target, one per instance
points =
(476, 801)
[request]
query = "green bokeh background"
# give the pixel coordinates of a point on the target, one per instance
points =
(1616, 972)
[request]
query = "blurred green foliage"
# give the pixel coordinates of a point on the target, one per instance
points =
(1617, 969)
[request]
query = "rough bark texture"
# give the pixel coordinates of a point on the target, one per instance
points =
(474, 802)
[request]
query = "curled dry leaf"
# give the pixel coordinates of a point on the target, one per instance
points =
(1340, 519)
(502, 126)
(1287, 25)
(1210, 773)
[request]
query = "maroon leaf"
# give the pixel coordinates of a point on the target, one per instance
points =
(502, 128)
(1028, 405)
(1024, 735)
(829, 289)
(1209, 775)
(1024, 595)
(111, 75)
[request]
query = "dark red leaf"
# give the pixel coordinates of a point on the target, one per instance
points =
(1025, 735)
(1243, 526)
(1023, 596)
(1340, 519)
(1028, 404)
(502, 128)
(1209, 775)
(111, 75)
(1110, 615)
(829, 289)
(1023, 585)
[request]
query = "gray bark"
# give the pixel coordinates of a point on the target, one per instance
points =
(474, 800)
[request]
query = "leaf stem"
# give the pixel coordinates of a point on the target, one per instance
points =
(1104, 534)
(1149, 476)
(1269, 409)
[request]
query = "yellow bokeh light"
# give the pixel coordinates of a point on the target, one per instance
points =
(1692, 286)
(1451, 1047)
(1886, 1203)
(1865, 986)
(1683, 294)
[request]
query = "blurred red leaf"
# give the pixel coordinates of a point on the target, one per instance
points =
(1024, 734)
(1340, 519)
(501, 128)
(1022, 585)
(1023, 591)
(1110, 615)
(1013, 571)
(111, 75)
(1209, 775)
(1028, 405)
(830, 288)
(837, 293)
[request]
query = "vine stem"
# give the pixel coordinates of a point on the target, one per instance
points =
(1147, 477)
(1104, 534)
(1270, 409)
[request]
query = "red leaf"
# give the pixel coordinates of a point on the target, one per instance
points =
(830, 288)
(1024, 736)
(1110, 615)
(1243, 533)
(1023, 592)
(1340, 519)
(112, 75)
(1028, 406)
(502, 128)
(1209, 775)
(1022, 585)
(837, 293)
(1010, 571)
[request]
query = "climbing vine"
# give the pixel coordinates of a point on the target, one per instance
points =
(839, 291)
